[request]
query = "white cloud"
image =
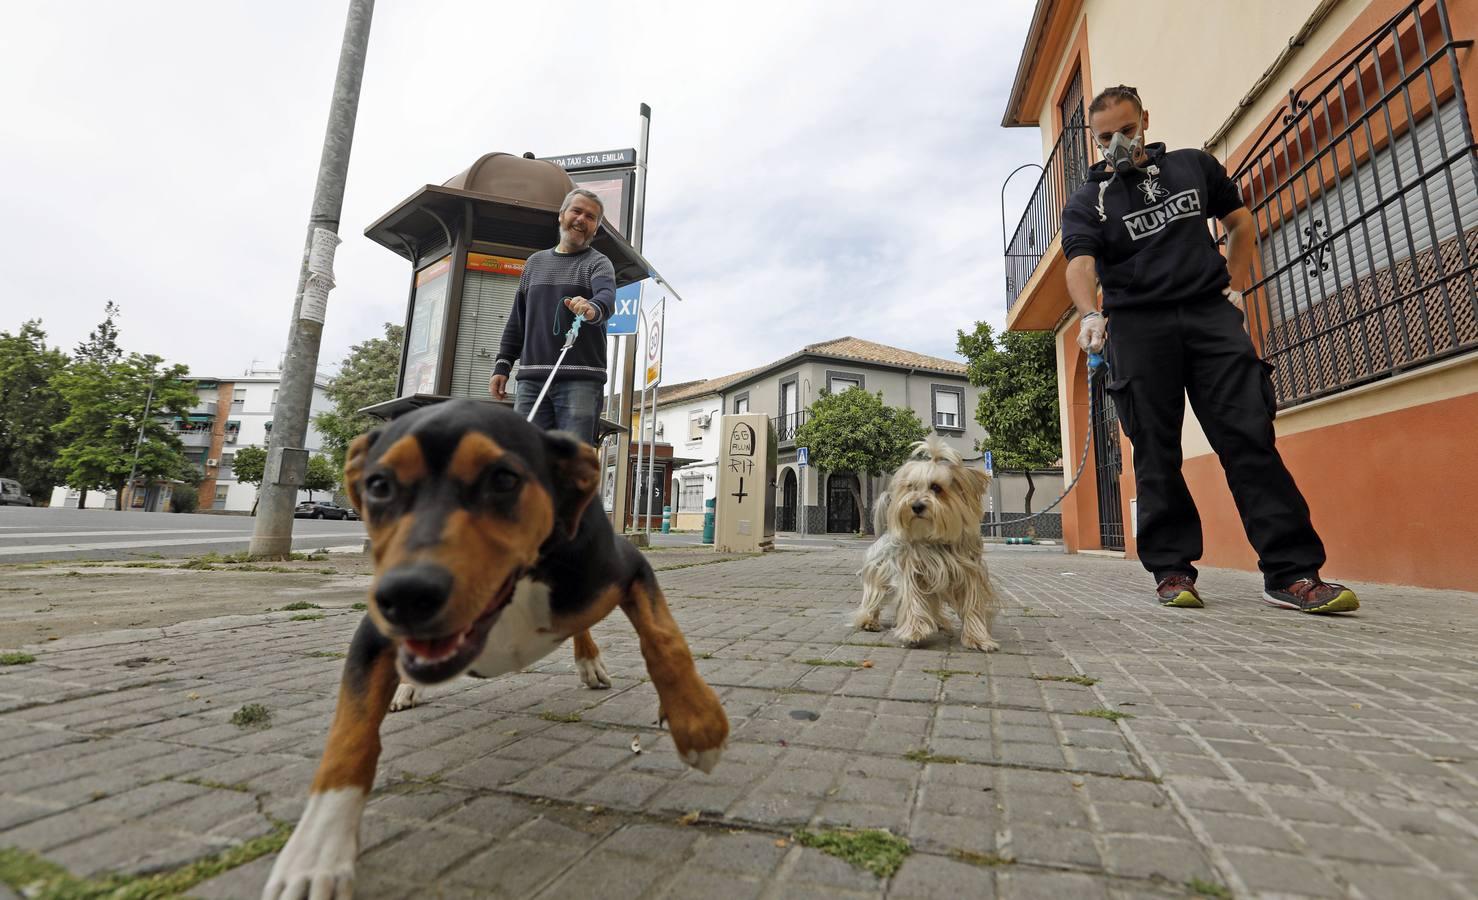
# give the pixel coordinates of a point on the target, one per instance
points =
(817, 169)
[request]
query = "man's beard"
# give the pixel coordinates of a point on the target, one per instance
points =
(573, 240)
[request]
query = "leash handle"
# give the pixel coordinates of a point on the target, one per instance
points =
(1095, 361)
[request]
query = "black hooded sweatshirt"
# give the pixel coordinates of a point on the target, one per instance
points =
(1147, 229)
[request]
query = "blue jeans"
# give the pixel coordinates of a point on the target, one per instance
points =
(571, 406)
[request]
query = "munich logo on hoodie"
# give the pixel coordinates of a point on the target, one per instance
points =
(1153, 219)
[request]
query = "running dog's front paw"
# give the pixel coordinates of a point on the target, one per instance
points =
(870, 624)
(405, 697)
(318, 861)
(698, 725)
(593, 673)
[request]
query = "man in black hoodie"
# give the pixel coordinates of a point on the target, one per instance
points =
(1173, 322)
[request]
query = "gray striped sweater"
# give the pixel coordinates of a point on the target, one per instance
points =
(536, 328)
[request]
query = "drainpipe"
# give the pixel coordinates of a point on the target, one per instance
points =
(1295, 44)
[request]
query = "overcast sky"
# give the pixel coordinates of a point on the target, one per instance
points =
(818, 169)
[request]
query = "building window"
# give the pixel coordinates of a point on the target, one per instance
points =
(741, 403)
(273, 407)
(695, 425)
(948, 404)
(836, 382)
(238, 398)
(221, 491)
(691, 498)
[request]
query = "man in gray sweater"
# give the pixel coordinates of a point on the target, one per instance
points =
(573, 279)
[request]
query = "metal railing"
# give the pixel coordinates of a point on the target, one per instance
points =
(1364, 194)
(1065, 171)
(787, 425)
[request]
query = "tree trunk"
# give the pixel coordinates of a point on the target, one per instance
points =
(82, 499)
(861, 510)
(1031, 488)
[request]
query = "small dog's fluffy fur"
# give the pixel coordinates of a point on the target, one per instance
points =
(930, 553)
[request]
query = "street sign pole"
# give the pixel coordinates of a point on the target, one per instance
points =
(803, 457)
(628, 356)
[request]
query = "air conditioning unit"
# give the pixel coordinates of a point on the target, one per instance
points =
(212, 463)
(705, 420)
(660, 428)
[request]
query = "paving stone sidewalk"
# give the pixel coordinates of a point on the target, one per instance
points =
(1259, 752)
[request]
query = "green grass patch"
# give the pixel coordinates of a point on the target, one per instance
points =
(874, 850)
(1084, 680)
(1208, 889)
(839, 663)
(567, 718)
(947, 674)
(33, 877)
(924, 756)
(360, 606)
(252, 715)
(305, 617)
(16, 658)
(986, 860)
(239, 787)
(1113, 715)
(301, 604)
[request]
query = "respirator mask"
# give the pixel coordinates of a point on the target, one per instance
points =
(1121, 151)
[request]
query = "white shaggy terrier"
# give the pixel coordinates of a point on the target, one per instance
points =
(930, 554)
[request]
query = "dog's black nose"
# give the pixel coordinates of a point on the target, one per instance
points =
(414, 594)
(918, 507)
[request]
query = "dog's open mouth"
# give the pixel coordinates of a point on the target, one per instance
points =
(430, 661)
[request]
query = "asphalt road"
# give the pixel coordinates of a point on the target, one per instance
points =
(35, 535)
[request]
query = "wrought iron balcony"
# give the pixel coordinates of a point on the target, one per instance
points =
(1065, 171)
(787, 425)
(1364, 197)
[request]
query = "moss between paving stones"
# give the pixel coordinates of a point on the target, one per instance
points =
(1113, 715)
(1084, 680)
(879, 852)
(1208, 889)
(252, 715)
(39, 879)
(16, 659)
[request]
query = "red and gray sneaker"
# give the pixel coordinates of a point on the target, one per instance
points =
(1178, 591)
(1311, 595)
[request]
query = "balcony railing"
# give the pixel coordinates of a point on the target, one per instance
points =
(204, 408)
(194, 438)
(1065, 171)
(787, 425)
(1364, 194)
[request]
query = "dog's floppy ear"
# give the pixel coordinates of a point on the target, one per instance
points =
(576, 470)
(978, 480)
(354, 461)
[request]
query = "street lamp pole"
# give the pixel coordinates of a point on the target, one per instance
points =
(138, 444)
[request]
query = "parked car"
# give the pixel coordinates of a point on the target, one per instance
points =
(11, 493)
(319, 509)
(351, 514)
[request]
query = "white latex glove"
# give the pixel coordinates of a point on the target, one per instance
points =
(1235, 298)
(1091, 332)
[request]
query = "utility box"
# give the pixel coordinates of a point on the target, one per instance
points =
(746, 485)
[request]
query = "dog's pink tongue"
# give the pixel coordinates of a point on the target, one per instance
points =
(433, 649)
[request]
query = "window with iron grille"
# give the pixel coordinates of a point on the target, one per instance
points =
(691, 498)
(1365, 203)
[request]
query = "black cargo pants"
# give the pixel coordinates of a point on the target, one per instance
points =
(1199, 348)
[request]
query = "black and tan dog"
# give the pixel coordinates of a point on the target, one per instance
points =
(488, 555)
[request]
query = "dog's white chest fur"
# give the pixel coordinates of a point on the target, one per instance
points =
(522, 635)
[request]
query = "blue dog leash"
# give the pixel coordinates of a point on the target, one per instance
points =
(569, 342)
(1097, 365)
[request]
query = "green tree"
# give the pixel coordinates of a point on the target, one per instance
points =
(185, 498)
(250, 465)
(106, 403)
(854, 431)
(29, 405)
(366, 377)
(101, 345)
(1017, 374)
(322, 475)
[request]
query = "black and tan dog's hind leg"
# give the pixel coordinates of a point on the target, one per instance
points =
(691, 709)
(318, 860)
(588, 663)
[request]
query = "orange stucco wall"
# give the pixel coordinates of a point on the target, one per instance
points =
(1394, 496)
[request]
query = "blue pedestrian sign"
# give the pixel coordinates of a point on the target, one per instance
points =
(628, 308)
(988, 466)
(803, 456)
